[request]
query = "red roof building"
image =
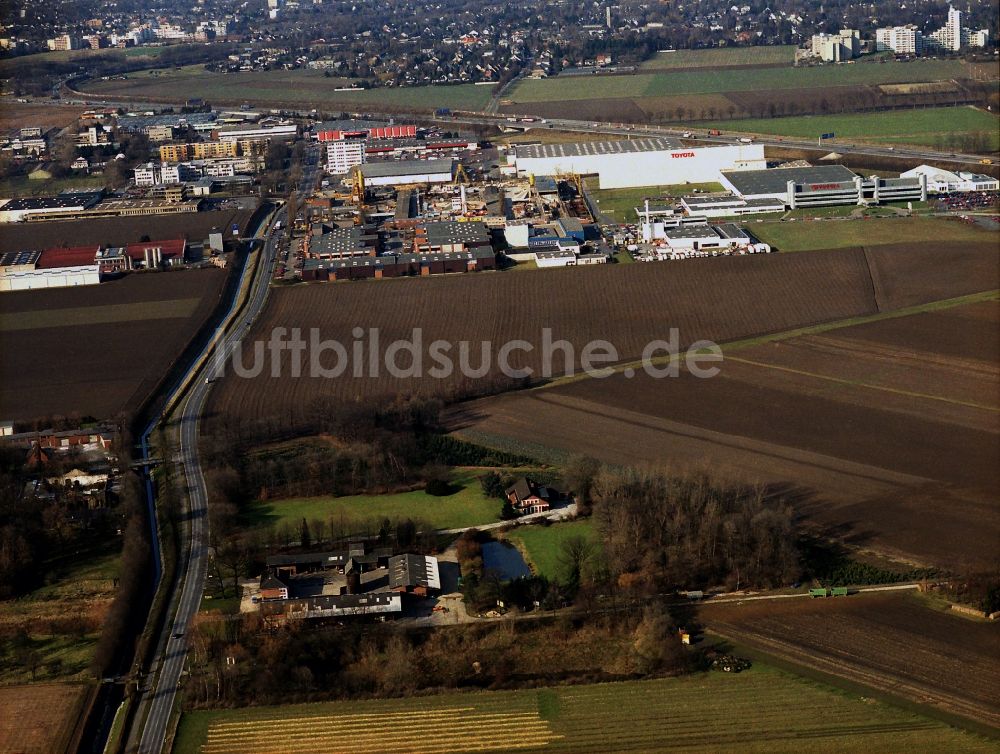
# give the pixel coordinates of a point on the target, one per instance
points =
(72, 256)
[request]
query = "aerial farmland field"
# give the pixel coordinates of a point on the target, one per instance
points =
(924, 387)
(118, 231)
(39, 718)
(289, 88)
(805, 235)
(732, 80)
(759, 710)
(722, 57)
(722, 299)
(932, 126)
(894, 641)
(120, 337)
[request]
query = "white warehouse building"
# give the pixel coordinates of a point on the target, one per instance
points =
(638, 162)
(941, 181)
(407, 172)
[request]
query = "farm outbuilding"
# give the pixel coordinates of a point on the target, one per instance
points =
(414, 574)
(638, 162)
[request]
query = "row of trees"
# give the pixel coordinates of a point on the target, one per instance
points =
(238, 662)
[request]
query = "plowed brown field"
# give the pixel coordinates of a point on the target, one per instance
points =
(887, 432)
(98, 350)
(890, 641)
(39, 718)
(720, 299)
(118, 231)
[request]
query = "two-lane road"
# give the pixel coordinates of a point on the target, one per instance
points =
(160, 699)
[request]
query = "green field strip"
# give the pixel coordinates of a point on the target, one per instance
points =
(81, 316)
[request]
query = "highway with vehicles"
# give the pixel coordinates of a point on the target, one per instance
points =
(157, 700)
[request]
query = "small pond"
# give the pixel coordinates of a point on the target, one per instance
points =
(505, 559)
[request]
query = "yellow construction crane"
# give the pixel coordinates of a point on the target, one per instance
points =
(358, 187)
(460, 175)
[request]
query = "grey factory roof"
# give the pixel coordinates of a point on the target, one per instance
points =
(702, 201)
(774, 181)
(691, 231)
(384, 260)
(63, 201)
(595, 148)
(413, 570)
(142, 122)
(731, 230)
(455, 232)
(405, 168)
(341, 242)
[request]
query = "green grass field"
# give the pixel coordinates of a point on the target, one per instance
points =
(291, 88)
(23, 186)
(542, 545)
(468, 506)
(620, 204)
(721, 56)
(830, 234)
(733, 80)
(933, 126)
(760, 710)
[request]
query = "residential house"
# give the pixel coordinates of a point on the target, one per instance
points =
(528, 497)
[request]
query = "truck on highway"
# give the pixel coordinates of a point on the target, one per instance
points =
(714, 132)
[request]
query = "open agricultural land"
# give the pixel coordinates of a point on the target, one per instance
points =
(16, 115)
(732, 80)
(805, 235)
(883, 432)
(542, 545)
(759, 710)
(890, 641)
(723, 299)
(938, 127)
(120, 337)
(721, 58)
(117, 231)
(284, 88)
(40, 718)
(725, 92)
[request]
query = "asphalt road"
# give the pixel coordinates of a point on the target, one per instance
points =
(172, 650)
